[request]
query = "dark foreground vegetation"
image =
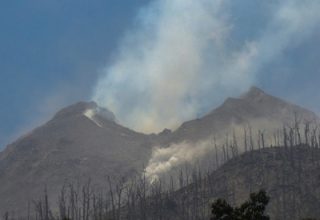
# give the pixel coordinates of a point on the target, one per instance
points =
(290, 174)
(253, 209)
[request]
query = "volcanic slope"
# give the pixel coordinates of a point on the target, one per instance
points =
(255, 109)
(80, 142)
(290, 176)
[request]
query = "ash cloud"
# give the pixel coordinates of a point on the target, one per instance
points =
(178, 60)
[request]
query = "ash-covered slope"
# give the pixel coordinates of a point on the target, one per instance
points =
(255, 109)
(80, 142)
(290, 176)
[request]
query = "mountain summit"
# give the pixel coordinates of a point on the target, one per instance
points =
(255, 109)
(89, 109)
(254, 93)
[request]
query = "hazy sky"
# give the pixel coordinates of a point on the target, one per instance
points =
(53, 52)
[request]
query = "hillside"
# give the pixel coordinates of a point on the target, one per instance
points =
(70, 147)
(251, 120)
(289, 175)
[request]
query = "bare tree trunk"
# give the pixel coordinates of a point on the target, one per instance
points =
(216, 153)
(62, 204)
(245, 139)
(119, 190)
(46, 204)
(113, 206)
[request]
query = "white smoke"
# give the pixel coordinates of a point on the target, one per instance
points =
(177, 61)
(163, 67)
(90, 114)
(164, 159)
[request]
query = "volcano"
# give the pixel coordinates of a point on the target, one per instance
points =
(85, 141)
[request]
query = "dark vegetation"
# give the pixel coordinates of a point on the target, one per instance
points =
(253, 209)
(290, 174)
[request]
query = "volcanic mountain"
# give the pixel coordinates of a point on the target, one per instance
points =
(85, 141)
(80, 142)
(254, 109)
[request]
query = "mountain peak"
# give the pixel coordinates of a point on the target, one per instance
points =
(254, 94)
(85, 108)
(75, 109)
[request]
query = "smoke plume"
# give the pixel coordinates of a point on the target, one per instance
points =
(180, 59)
(164, 159)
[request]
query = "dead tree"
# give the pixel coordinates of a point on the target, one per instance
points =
(62, 204)
(245, 139)
(112, 197)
